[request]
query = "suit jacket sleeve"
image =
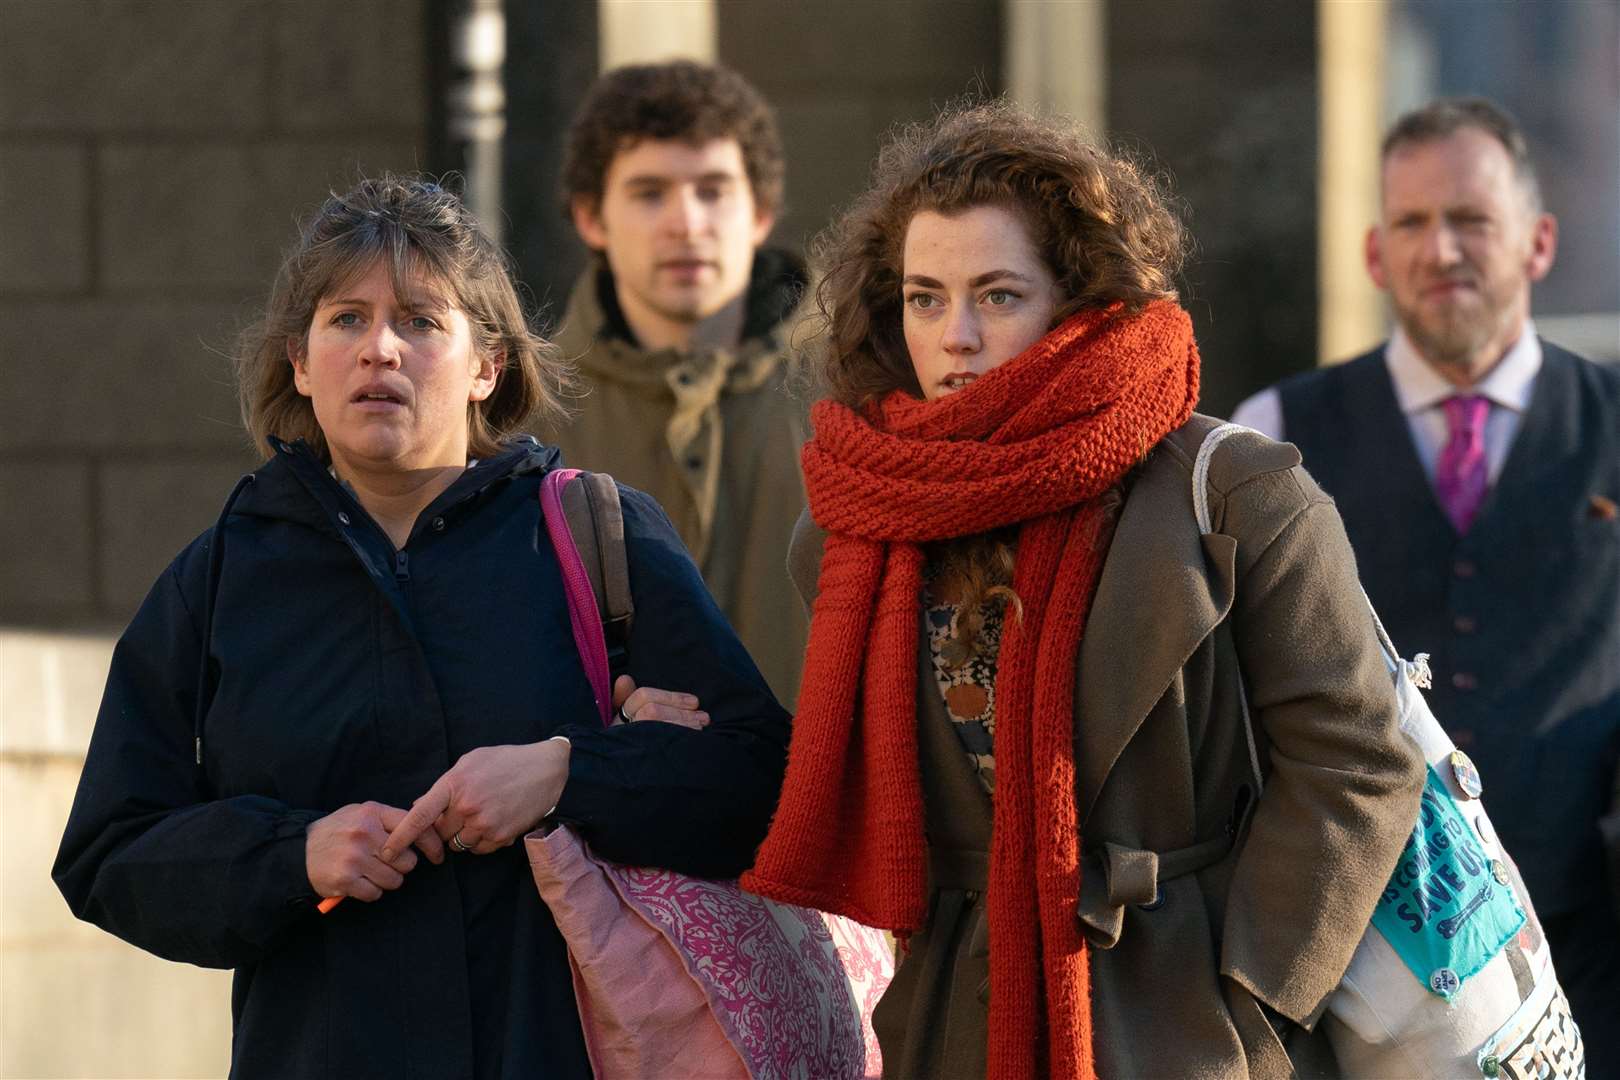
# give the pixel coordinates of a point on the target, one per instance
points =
(652, 794)
(1342, 793)
(149, 854)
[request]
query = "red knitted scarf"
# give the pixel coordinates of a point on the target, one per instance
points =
(1034, 442)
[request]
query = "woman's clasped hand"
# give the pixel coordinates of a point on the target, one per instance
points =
(485, 802)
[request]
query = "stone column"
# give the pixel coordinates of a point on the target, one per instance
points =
(1351, 40)
(1055, 57)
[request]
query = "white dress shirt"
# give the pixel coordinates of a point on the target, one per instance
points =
(1421, 391)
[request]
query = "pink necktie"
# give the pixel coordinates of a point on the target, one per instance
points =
(1459, 479)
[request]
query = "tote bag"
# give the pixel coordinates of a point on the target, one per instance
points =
(1453, 977)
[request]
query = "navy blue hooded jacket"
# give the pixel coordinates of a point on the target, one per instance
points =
(290, 662)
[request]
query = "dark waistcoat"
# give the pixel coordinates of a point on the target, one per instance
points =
(1521, 616)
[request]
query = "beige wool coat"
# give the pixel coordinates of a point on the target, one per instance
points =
(714, 436)
(1219, 922)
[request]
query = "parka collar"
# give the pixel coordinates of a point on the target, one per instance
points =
(296, 485)
(595, 335)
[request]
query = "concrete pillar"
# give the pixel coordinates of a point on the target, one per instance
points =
(1350, 36)
(477, 113)
(646, 31)
(1055, 55)
(76, 1001)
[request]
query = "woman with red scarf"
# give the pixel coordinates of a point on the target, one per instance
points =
(1021, 741)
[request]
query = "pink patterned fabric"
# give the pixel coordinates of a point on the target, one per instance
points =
(683, 976)
(1460, 477)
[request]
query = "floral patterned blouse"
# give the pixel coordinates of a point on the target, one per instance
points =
(967, 683)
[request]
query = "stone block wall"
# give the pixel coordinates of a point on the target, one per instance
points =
(843, 72)
(155, 156)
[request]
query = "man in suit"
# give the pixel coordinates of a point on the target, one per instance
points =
(1477, 468)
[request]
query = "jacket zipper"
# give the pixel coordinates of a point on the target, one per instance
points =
(402, 566)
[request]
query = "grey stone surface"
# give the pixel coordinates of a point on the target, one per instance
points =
(830, 142)
(134, 65)
(790, 48)
(213, 218)
(349, 66)
(45, 533)
(149, 510)
(154, 158)
(110, 375)
(79, 1002)
(44, 216)
(50, 688)
(841, 73)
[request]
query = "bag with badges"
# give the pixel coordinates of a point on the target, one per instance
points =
(1453, 977)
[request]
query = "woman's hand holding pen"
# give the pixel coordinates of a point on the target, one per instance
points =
(341, 852)
(486, 801)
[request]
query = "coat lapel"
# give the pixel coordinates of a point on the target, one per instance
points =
(1163, 590)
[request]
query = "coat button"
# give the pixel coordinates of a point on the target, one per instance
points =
(1463, 568)
(1467, 777)
(343, 517)
(1463, 680)
(1464, 624)
(694, 463)
(438, 524)
(684, 378)
(1491, 1066)
(1499, 871)
(1156, 903)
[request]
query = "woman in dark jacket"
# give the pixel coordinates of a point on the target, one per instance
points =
(378, 615)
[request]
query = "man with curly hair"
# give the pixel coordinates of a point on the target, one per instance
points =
(681, 328)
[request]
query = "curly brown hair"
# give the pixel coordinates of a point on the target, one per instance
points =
(680, 100)
(1102, 222)
(410, 225)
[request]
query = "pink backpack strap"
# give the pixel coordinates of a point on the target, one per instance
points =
(583, 614)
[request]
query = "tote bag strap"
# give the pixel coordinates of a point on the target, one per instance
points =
(1200, 493)
(1417, 669)
(1206, 450)
(586, 526)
